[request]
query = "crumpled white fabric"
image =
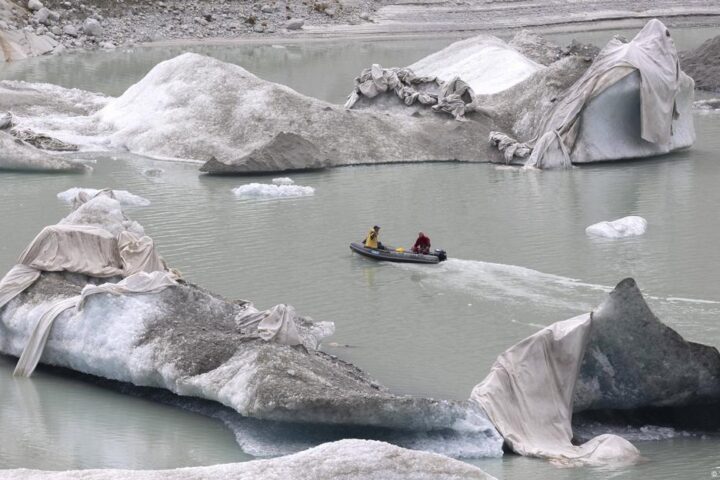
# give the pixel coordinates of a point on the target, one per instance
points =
(141, 282)
(453, 96)
(529, 392)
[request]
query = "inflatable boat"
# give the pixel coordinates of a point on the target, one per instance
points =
(390, 254)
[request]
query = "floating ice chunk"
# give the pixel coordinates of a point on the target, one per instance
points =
(622, 227)
(264, 190)
(123, 196)
(283, 181)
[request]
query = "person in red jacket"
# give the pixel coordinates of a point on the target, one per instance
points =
(422, 244)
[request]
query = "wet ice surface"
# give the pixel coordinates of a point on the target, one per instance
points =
(520, 259)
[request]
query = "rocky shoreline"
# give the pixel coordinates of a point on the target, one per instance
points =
(37, 27)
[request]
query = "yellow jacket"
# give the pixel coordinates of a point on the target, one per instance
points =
(371, 241)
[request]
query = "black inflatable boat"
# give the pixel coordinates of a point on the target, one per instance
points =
(389, 254)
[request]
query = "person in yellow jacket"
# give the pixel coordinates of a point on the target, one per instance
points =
(372, 241)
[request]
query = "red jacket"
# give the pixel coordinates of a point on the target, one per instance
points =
(422, 244)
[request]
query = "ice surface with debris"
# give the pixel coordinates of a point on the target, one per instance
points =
(622, 227)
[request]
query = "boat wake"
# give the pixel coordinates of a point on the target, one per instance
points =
(513, 285)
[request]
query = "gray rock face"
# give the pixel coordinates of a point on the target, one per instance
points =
(633, 360)
(92, 27)
(295, 24)
(285, 152)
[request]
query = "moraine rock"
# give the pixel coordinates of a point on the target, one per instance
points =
(295, 24)
(70, 31)
(92, 27)
(35, 5)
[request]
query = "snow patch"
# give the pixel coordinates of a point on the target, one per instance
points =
(123, 196)
(265, 190)
(620, 228)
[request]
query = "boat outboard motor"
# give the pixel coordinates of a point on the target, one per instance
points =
(441, 254)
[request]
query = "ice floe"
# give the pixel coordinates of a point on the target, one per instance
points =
(622, 227)
(125, 198)
(274, 190)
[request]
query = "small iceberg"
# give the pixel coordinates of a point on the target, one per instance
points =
(283, 181)
(125, 198)
(281, 187)
(620, 228)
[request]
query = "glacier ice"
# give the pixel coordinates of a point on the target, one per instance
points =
(344, 459)
(198, 108)
(622, 227)
(486, 63)
(274, 190)
(123, 196)
(18, 155)
(617, 363)
(196, 344)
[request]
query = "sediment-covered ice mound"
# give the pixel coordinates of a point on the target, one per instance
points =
(703, 64)
(197, 107)
(616, 362)
(620, 228)
(345, 459)
(18, 155)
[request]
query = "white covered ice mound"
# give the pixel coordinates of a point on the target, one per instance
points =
(345, 459)
(620, 228)
(486, 63)
(123, 196)
(274, 190)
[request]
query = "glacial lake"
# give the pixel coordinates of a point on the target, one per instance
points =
(520, 260)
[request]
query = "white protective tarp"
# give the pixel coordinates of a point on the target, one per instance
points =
(528, 397)
(96, 240)
(138, 283)
(651, 53)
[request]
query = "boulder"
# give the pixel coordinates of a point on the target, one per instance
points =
(42, 16)
(294, 24)
(70, 31)
(35, 5)
(92, 27)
